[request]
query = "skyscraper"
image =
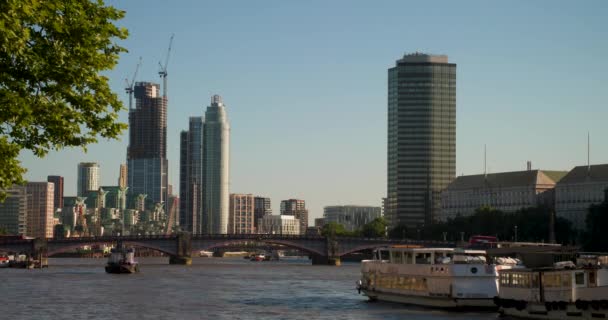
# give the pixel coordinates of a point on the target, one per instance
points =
(216, 168)
(261, 208)
(191, 176)
(296, 208)
(40, 209)
(58, 195)
(147, 152)
(88, 178)
(421, 137)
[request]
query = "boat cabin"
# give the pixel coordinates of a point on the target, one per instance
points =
(399, 255)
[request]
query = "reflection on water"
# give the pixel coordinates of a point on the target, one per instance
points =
(212, 288)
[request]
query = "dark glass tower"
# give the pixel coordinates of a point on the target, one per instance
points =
(147, 152)
(191, 176)
(421, 137)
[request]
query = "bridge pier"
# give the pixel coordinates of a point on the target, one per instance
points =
(39, 253)
(184, 250)
(324, 260)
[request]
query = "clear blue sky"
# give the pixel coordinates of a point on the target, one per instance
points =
(305, 87)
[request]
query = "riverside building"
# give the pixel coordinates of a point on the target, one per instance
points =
(13, 211)
(287, 225)
(582, 187)
(191, 176)
(296, 208)
(421, 137)
(40, 209)
(504, 191)
(241, 214)
(88, 178)
(351, 217)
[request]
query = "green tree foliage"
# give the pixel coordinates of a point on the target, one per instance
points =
(3, 231)
(532, 226)
(374, 229)
(596, 222)
(334, 229)
(52, 92)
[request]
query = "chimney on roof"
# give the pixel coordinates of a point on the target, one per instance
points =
(529, 165)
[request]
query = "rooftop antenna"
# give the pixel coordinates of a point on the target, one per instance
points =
(163, 68)
(485, 167)
(588, 155)
(129, 85)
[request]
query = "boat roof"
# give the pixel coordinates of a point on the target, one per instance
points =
(424, 250)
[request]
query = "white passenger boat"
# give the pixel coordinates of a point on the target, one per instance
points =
(444, 278)
(564, 291)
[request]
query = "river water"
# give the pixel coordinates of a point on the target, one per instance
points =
(212, 288)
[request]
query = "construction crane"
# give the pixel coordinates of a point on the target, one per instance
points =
(163, 68)
(129, 85)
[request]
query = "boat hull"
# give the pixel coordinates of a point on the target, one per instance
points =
(431, 302)
(540, 311)
(121, 268)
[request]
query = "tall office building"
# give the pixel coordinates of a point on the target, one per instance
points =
(191, 176)
(13, 211)
(240, 219)
(216, 168)
(122, 176)
(88, 178)
(296, 208)
(261, 208)
(147, 152)
(421, 137)
(58, 195)
(40, 209)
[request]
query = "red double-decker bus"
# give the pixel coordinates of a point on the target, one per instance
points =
(483, 241)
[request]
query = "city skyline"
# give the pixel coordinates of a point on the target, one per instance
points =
(344, 155)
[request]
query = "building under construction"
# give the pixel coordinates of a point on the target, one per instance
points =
(147, 152)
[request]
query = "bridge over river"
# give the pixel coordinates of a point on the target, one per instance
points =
(179, 247)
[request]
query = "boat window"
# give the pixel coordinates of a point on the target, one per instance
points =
(551, 280)
(504, 279)
(396, 257)
(579, 278)
(407, 257)
(535, 280)
(423, 258)
(566, 280)
(384, 255)
(592, 278)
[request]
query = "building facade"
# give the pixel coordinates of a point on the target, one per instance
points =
(261, 208)
(13, 211)
(582, 187)
(40, 209)
(147, 151)
(505, 191)
(296, 208)
(241, 218)
(122, 176)
(287, 225)
(58, 195)
(351, 217)
(191, 176)
(216, 168)
(88, 178)
(421, 137)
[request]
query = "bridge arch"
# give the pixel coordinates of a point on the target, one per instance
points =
(226, 243)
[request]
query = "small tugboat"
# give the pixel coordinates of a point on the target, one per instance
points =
(258, 257)
(122, 260)
(563, 291)
(4, 261)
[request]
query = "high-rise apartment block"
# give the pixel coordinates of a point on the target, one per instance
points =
(58, 195)
(296, 208)
(241, 214)
(261, 208)
(88, 178)
(191, 176)
(147, 152)
(40, 209)
(421, 137)
(216, 168)
(13, 211)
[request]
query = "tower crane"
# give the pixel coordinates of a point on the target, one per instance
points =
(129, 85)
(163, 68)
